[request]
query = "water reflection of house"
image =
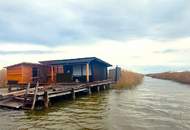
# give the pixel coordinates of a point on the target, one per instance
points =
(70, 70)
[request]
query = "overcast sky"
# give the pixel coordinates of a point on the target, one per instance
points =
(140, 35)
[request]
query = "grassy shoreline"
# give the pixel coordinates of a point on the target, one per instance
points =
(181, 77)
(129, 80)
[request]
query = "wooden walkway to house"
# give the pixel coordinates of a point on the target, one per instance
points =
(27, 99)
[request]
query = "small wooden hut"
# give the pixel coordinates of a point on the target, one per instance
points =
(24, 73)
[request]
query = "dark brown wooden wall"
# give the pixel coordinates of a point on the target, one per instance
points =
(100, 71)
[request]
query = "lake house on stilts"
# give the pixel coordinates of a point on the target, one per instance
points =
(77, 70)
(54, 78)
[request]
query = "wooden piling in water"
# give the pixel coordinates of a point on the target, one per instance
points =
(89, 90)
(46, 99)
(109, 85)
(26, 93)
(35, 94)
(98, 88)
(104, 87)
(9, 88)
(73, 94)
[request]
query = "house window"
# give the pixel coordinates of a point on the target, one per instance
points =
(77, 70)
(35, 72)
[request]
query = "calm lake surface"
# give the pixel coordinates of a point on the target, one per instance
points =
(153, 105)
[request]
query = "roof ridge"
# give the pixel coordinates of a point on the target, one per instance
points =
(71, 59)
(21, 63)
(75, 60)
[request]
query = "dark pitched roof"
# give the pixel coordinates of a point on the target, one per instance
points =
(74, 61)
(24, 63)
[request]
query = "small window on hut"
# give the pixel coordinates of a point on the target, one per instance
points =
(34, 72)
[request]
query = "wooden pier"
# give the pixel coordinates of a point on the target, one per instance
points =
(29, 97)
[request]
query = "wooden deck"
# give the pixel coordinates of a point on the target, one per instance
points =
(27, 99)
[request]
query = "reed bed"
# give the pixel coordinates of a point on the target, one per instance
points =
(3, 78)
(182, 77)
(129, 80)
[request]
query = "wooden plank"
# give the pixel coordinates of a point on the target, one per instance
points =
(59, 88)
(50, 92)
(59, 94)
(11, 103)
(80, 90)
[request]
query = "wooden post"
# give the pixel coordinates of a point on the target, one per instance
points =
(98, 88)
(46, 99)
(52, 74)
(89, 91)
(9, 88)
(116, 75)
(26, 92)
(104, 86)
(110, 86)
(87, 72)
(73, 93)
(35, 94)
(17, 87)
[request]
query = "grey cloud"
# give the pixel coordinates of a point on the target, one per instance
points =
(72, 21)
(136, 57)
(167, 51)
(27, 52)
(172, 51)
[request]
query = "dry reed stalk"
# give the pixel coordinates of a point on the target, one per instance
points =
(182, 77)
(3, 78)
(129, 79)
